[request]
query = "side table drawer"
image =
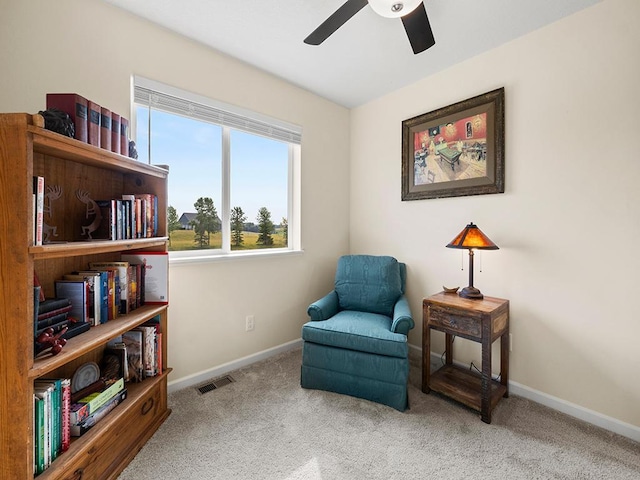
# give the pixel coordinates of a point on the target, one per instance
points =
(461, 324)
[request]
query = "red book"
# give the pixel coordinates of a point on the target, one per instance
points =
(105, 129)
(93, 123)
(75, 106)
(124, 136)
(115, 132)
(66, 411)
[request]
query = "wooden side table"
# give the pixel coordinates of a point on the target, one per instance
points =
(482, 321)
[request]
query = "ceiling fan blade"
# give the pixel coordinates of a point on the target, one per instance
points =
(418, 29)
(335, 21)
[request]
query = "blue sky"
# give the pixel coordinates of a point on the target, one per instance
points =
(193, 151)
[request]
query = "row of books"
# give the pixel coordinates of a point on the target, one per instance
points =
(52, 432)
(103, 292)
(129, 217)
(57, 417)
(132, 216)
(55, 313)
(139, 351)
(93, 123)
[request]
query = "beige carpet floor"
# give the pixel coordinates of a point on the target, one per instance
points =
(264, 426)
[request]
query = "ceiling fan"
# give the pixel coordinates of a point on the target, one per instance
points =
(413, 14)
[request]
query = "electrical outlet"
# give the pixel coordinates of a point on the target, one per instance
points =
(250, 323)
(510, 343)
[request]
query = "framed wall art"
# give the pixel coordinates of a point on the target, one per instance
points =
(456, 150)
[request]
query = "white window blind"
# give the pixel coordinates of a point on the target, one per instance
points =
(157, 96)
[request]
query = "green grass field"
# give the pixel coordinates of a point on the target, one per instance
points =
(184, 240)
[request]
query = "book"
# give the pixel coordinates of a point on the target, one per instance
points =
(38, 433)
(51, 321)
(156, 275)
(58, 327)
(95, 294)
(38, 220)
(90, 404)
(115, 132)
(122, 267)
(75, 329)
(44, 392)
(102, 284)
(133, 340)
(55, 313)
(84, 426)
(76, 107)
(52, 306)
(77, 292)
(66, 411)
(54, 387)
(105, 128)
(148, 349)
(124, 136)
(93, 123)
(107, 228)
(119, 350)
(131, 209)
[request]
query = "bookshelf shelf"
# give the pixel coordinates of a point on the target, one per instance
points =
(56, 145)
(82, 344)
(70, 249)
(74, 169)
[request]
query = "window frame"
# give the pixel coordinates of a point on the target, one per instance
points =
(255, 124)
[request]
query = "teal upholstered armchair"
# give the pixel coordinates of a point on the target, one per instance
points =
(356, 341)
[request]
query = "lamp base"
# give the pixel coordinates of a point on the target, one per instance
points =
(471, 292)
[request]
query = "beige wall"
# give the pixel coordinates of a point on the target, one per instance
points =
(566, 222)
(570, 206)
(92, 48)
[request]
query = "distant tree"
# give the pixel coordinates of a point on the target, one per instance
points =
(237, 225)
(250, 227)
(265, 227)
(206, 221)
(285, 230)
(172, 221)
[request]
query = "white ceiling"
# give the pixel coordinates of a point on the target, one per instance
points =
(367, 57)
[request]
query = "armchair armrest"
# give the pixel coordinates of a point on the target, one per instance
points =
(402, 320)
(324, 308)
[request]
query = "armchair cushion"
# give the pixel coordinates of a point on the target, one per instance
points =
(368, 283)
(358, 331)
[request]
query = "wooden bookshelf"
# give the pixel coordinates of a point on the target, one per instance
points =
(26, 149)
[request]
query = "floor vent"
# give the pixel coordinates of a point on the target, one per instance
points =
(211, 385)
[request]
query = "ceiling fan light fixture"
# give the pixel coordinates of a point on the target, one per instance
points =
(394, 8)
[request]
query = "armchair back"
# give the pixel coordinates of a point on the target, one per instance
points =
(369, 283)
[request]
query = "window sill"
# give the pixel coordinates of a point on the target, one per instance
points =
(186, 259)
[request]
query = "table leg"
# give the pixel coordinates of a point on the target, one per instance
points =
(504, 361)
(426, 355)
(448, 345)
(486, 371)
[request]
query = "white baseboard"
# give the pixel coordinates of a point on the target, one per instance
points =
(568, 408)
(197, 378)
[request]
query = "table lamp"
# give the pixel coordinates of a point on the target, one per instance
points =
(472, 238)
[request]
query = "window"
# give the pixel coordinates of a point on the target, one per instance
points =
(233, 174)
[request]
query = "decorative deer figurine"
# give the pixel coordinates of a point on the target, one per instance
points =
(53, 193)
(92, 209)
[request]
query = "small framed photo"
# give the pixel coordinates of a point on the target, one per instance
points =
(456, 150)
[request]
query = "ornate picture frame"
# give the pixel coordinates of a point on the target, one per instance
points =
(456, 150)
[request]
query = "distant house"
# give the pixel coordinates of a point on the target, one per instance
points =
(185, 220)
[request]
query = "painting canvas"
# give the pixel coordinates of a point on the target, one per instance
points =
(454, 151)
